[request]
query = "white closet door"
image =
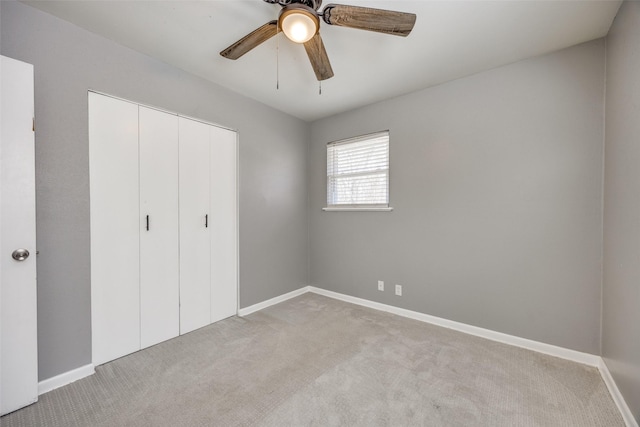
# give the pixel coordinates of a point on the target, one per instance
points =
(195, 246)
(115, 254)
(159, 281)
(223, 224)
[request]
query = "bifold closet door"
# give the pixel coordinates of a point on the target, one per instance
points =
(195, 243)
(159, 262)
(223, 224)
(115, 227)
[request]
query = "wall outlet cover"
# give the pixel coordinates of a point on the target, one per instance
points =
(380, 285)
(399, 290)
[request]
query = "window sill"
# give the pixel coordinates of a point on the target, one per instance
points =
(356, 209)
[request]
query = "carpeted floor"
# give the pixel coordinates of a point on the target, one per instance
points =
(315, 361)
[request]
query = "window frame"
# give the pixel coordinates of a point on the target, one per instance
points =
(380, 207)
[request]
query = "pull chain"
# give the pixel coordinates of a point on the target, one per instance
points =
(320, 87)
(277, 56)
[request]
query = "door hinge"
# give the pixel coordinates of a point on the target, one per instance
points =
(33, 126)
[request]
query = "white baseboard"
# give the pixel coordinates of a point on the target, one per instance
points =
(552, 350)
(268, 303)
(627, 415)
(65, 378)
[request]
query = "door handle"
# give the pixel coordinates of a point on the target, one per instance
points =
(147, 222)
(20, 254)
(206, 221)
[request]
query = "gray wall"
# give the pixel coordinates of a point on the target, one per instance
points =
(496, 188)
(273, 150)
(621, 290)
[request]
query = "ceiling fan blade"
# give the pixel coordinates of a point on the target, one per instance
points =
(319, 58)
(365, 18)
(251, 40)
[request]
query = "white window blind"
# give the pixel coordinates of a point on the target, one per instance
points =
(358, 171)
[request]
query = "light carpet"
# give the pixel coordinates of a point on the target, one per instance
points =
(315, 361)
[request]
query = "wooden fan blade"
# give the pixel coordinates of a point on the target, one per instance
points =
(319, 58)
(251, 40)
(365, 18)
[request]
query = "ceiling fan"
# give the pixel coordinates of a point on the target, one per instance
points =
(300, 22)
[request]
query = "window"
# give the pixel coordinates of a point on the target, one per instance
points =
(358, 173)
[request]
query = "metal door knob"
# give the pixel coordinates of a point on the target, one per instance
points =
(20, 254)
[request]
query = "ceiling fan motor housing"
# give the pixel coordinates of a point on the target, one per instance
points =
(313, 4)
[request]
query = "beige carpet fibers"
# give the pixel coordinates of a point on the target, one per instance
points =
(314, 361)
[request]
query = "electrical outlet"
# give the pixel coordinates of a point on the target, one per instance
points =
(399, 290)
(380, 285)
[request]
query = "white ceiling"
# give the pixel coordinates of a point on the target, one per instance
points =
(451, 39)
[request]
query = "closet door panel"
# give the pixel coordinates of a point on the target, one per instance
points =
(223, 224)
(115, 290)
(159, 281)
(195, 247)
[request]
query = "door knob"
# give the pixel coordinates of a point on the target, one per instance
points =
(20, 254)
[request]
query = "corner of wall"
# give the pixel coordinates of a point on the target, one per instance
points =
(604, 141)
(307, 185)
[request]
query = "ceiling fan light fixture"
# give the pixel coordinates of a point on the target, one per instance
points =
(299, 23)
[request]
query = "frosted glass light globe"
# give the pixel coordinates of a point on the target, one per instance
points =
(299, 27)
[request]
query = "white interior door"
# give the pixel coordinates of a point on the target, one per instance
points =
(195, 246)
(115, 229)
(223, 224)
(159, 262)
(18, 304)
